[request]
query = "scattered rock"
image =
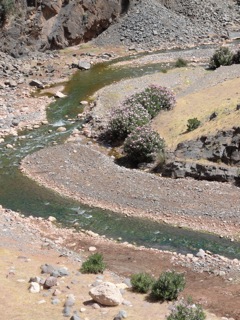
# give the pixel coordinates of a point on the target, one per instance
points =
(34, 287)
(36, 83)
(50, 282)
(60, 95)
(83, 65)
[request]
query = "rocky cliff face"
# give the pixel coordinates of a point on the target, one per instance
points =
(51, 24)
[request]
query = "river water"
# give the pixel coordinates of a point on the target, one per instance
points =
(19, 193)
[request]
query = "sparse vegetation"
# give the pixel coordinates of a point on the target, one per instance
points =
(222, 57)
(186, 310)
(193, 124)
(143, 144)
(94, 264)
(180, 63)
(125, 120)
(142, 282)
(168, 286)
(153, 99)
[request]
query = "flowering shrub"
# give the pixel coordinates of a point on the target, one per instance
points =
(168, 286)
(142, 144)
(186, 310)
(124, 121)
(153, 99)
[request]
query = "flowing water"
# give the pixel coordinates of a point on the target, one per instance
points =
(19, 193)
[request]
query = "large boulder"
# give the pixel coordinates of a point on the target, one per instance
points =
(106, 294)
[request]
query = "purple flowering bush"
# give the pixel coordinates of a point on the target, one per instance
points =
(143, 144)
(153, 99)
(123, 121)
(186, 310)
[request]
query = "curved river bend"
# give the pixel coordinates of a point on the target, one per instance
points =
(19, 193)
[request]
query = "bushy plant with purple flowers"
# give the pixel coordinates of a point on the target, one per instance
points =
(143, 144)
(123, 121)
(154, 99)
(186, 310)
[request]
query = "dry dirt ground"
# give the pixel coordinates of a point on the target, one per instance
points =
(27, 243)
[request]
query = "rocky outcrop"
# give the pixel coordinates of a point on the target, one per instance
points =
(224, 147)
(221, 151)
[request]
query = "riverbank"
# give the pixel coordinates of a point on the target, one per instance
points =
(27, 243)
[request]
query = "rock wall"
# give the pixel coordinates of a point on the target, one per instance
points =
(51, 24)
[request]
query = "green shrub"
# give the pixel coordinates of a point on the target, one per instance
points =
(186, 310)
(222, 57)
(153, 99)
(94, 264)
(168, 286)
(142, 282)
(180, 63)
(143, 144)
(124, 121)
(193, 124)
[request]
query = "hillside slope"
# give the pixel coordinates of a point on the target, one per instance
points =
(145, 24)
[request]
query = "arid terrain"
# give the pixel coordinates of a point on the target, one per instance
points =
(83, 170)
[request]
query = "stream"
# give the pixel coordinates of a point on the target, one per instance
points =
(19, 193)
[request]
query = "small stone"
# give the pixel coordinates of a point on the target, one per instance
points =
(82, 310)
(51, 219)
(47, 268)
(36, 83)
(96, 306)
(61, 129)
(9, 146)
(83, 65)
(56, 292)
(50, 282)
(55, 301)
(122, 314)
(75, 316)
(66, 311)
(60, 95)
(70, 301)
(92, 249)
(34, 287)
(201, 253)
(84, 103)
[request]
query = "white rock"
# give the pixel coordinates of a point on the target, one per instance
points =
(52, 219)
(61, 129)
(106, 294)
(34, 287)
(92, 249)
(59, 94)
